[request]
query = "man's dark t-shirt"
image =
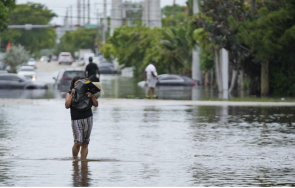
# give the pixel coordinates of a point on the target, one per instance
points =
(76, 114)
(91, 68)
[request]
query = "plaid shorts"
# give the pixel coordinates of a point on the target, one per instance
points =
(82, 130)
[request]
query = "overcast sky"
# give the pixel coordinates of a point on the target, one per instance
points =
(60, 6)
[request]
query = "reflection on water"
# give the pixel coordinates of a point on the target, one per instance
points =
(115, 86)
(81, 175)
(150, 146)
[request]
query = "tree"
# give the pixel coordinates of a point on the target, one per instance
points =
(15, 56)
(5, 8)
(173, 15)
(82, 38)
(215, 19)
(35, 39)
(270, 36)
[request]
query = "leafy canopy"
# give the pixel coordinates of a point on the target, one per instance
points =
(35, 39)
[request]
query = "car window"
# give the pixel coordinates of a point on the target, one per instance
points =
(13, 78)
(170, 78)
(65, 55)
(72, 74)
(26, 69)
(4, 78)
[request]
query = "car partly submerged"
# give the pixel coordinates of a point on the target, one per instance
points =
(14, 81)
(171, 80)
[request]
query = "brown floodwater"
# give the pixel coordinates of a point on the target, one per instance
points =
(149, 146)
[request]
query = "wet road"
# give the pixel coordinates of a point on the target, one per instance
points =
(149, 146)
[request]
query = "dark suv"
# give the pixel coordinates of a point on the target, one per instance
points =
(64, 78)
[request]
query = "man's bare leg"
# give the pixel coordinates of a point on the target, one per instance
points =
(84, 151)
(153, 90)
(76, 149)
(148, 92)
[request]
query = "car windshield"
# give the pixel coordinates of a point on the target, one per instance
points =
(27, 69)
(72, 74)
(32, 59)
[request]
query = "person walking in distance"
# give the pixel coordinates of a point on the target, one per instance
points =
(91, 69)
(81, 122)
(151, 77)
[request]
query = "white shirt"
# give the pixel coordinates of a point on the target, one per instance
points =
(149, 69)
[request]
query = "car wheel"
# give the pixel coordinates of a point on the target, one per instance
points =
(59, 63)
(70, 63)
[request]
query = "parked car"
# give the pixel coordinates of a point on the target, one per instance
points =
(171, 80)
(27, 72)
(64, 77)
(106, 68)
(65, 57)
(14, 81)
(32, 62)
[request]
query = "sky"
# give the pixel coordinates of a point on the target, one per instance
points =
(59, 7)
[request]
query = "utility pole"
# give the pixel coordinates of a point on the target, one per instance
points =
(88, 11)
(196, 70)
(105, 21)
(78, 12)
(116, 15)
(71, 15)
(83, 12)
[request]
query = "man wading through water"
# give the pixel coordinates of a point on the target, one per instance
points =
(81, 122)
(91, 69)
(151, 77)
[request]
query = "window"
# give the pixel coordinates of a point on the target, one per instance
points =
(14, 78)
(170, 78)
(72, 74)
(2, 78)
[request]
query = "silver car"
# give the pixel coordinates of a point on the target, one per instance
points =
(65, 57)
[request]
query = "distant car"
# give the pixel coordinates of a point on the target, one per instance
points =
(27, 72)
(65, 57)
(64, 78)
(14, 81)
(43, 59)
(171, 80)
(32, 62)
(106, 68)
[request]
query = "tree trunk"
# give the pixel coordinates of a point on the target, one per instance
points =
(242, 79)
(264, 79)
(206, 83)
(217, 70)
(253, 5)
(211, 77)
(233, 80)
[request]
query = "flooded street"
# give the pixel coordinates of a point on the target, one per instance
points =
(115, 86)
(149, 145)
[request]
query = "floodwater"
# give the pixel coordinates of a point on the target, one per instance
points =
(115, 86)
(149, 146)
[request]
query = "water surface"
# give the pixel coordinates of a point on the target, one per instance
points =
(150, 146)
